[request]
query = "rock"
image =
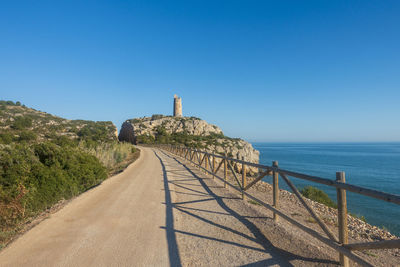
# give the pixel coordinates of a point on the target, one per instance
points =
(215, 142)
(190, 125)
(116, 130)
(126, 133)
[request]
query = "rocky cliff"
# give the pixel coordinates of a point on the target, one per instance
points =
(189, 131)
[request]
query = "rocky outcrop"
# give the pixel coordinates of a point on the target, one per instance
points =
(126, 133)
(189, 125)
(190, 131)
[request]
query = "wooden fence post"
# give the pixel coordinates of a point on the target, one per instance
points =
(275, 191)
(342, 216)
(206, 163)
(195, 159)
(199, 159)
(213, 163)
(244, 179)
(225, 170)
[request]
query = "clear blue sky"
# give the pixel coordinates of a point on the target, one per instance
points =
(261, 70)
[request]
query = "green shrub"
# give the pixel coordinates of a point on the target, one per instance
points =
(64, 141)
(6, 138)
(145, 139)
(93, 132)
(136, 121)
(9, 103)
(318, 195)
(156, 117)
(35, 177)
(22, 122)
(27, 136)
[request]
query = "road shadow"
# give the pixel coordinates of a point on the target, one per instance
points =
(173, 251)
(279, 256)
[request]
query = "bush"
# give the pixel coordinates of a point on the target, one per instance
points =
(22, 122)
(318, 195)
(136, 121)
(64, 141)
(27, 136)
(156, 117)
(6, 138)
(95, 132)
(145, 139)
(9, 103)
(35, 177)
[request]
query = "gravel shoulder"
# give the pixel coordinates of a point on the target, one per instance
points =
(214, 227)
(243, 233)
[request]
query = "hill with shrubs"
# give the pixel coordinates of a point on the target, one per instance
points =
(45, 159)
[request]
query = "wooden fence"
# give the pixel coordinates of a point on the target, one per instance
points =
(208, 163)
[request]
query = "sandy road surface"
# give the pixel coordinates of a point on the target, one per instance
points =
(115, 224)
(160, 212)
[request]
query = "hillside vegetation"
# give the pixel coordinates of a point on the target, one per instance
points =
(44, 159)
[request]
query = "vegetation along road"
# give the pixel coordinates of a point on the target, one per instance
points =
(159, 212)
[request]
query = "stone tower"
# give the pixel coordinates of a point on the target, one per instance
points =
(177, 106)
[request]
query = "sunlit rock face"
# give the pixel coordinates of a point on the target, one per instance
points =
(205, 136)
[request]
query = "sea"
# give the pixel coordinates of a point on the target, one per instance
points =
(371, 165)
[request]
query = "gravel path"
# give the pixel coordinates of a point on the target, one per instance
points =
(162, 212)
(214, 227)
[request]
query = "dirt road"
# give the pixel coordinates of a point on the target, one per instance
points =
(115, 224)
(158, 212)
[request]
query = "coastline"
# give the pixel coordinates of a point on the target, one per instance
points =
(358, 230)
(371, 165)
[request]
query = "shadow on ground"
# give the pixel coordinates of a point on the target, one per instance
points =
(186, 177)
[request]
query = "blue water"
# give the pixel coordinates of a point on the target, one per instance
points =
(371, 165)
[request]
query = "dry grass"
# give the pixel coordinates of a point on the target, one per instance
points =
(112, 154)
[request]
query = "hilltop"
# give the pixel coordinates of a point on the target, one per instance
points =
(188, 131)
(20, 123)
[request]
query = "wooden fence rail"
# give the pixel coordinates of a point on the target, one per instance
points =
(197, 158)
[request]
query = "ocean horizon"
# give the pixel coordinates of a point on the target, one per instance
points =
(374, 165)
